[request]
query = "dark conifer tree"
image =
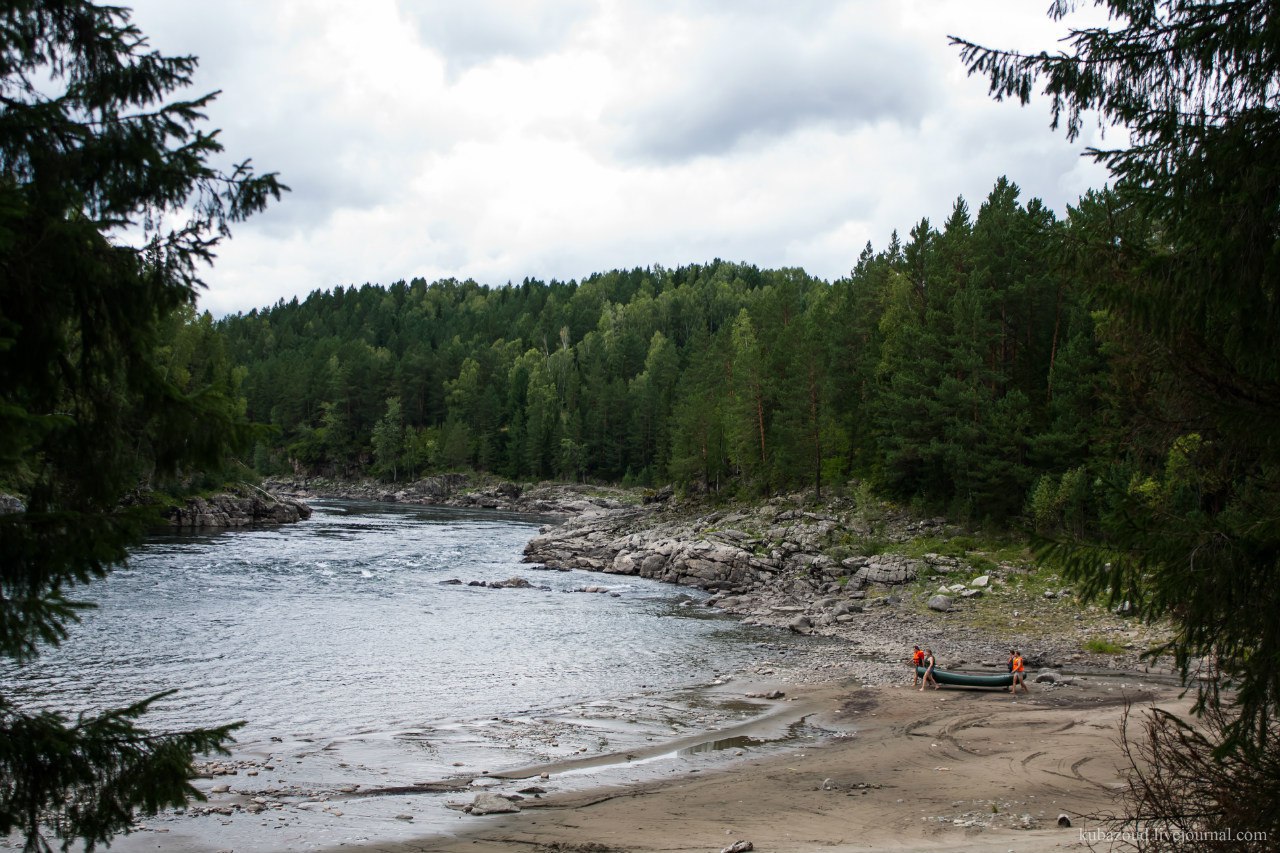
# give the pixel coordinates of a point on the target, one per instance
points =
(91, 145)
(1195, 538)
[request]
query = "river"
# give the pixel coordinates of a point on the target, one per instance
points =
(352, 659)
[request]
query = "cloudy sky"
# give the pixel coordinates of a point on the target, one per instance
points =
(499, 139)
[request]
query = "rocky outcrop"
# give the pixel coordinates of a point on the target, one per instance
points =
(723, 551)
(246, 509)
(778, 563)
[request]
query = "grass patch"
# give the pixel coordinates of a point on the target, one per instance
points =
(989, 552)
(1102, 646)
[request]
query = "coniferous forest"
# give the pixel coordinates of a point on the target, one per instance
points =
(1108, 377)
(963, 368)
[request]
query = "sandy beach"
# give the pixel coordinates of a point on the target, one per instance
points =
(899, 770)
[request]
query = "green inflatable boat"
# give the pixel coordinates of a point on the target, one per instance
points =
(970, 679)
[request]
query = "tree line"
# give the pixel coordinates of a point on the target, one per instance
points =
(954, 369)
(1110, 376)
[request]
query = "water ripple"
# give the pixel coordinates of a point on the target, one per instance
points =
(340, 624)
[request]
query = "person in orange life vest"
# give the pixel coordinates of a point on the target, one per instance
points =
(1019, 671)
(917, 661)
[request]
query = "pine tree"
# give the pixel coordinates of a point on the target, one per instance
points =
(389, 439)
(91, 151)
(1196, 537)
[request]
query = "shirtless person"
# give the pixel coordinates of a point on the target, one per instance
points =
(929, 662)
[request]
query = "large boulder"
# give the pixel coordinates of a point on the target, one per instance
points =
(888, 569)
(441, 486)
(941, 603)
(490, 803)
(238, 510)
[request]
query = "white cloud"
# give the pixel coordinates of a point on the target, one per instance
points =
(503, 139)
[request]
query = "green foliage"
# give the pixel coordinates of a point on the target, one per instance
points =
(1180, 256)
(86, 778)
(107, 379)
(1060, 502)
(389, 439)
(1102, 646)
(949, 371)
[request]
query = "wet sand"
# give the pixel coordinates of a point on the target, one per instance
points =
(836, 765)
(895, 769)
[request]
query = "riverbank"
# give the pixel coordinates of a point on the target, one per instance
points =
(842, 755)
(807, 748)
(899, 770)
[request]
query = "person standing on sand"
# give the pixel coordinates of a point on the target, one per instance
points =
(917, 661)
(929, 661)
(1018, 668)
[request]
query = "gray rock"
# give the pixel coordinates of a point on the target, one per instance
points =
(971, 593)
(801, 625)
(247, 509)
(490, 803)
(941, 603)
(1047, 677)
(738, 847)
(891, 569)
(511, 583)
(980, 582)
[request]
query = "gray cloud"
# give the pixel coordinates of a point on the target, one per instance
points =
(478, 31)
(500, 139)
(762, 77)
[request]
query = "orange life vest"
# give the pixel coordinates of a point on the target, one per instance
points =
(917, 658)
(1017, 664)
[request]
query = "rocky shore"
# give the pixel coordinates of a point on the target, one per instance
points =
(464, 492)
(867, 574)
(864, 575)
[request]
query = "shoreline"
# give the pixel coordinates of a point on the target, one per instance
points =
(836, 763)
(749, 777)
(897, 770)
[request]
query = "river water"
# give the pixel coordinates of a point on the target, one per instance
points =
(342, 624)
(351, 661)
